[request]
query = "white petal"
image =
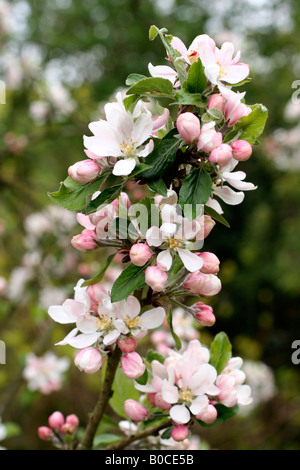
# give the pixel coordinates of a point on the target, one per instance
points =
(87, 324)
(111, 337)
(67, 338)
(124, 167)
(108, 147)
(134, 306)
(180, 414)
(214, 205)
(236, 73)
(66, 313)
(212, 73)
(191, 261)
(164, 260)
(162, 71)
(121, 327)
(146, 150)
(203, 379)
(168, 230)
(243, 394)
(229, 196)
(199, 404)
(153, 236)
(169, 392)
(142, 129)
(153, 318)
(83, 341)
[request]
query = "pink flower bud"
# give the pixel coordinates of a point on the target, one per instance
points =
(209, 139)
(45, 433)
(67, 429)
(216, 102)
(85, 241)
(203, 284)
(140, 253)
(179, 433)
(125, 200)
(221, 155)
(188, 126)
(209, 415)
(211, 263)
(84, 171)
(56, 420)
(95, 293)
(135, 411)
(88, 360)
(241, 150)
(127, 344)
(234, 110)
(161, 403)
(151, 398)
(206, 225)
(203, 314)
(156, 278)
(132, 365)
(73, 422)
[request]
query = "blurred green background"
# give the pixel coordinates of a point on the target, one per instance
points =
(61, 60)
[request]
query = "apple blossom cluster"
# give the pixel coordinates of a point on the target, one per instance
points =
(187, 386)
(179, 135)
(61, 431)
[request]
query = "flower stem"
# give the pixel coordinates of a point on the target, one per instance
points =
(105, 395)
(137, 437)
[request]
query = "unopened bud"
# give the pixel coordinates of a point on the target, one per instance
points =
(221, 155)
(84, 171)
(216, 102)
(179, 433)
(140, 253)
(56, 420)
(241, 150)
(88, 360)
(188, 126)
(156, 278)
(209, 415)
(85, 241)
(45, 433)
(135, 411)
(132, 365)
(127, 344)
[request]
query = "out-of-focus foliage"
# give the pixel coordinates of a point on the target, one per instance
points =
(61, 61)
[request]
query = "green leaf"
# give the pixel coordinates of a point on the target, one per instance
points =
(130, 102)
(143, 379)
(139, 169)
(123, 389)
(153, 32)
(224, 413)
(183, 96)
(158, 186)
(220, 352)
(250, 127)
(152, 85)
(99, 276)
(133, 277)
(134, 78)
(106, 197)
(196, 81)
(215, 215)
(195, 190)
(122, 229)
(166, 434)
(105, 440)
(154, 356)
(163, 157)
(175, 337)
(73, 195)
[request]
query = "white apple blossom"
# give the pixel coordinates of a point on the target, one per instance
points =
(45, 373)
(121, 135)
(224, 192)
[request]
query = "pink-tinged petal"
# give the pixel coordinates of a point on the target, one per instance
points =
(142, 129)
(91, 155)
(191, 261)
(101, 147)
(214, 205)
(158, 369)
(85, 221)
(144, 388)
(87, 324)
(236, 73)
(199, 404)
(164, 260)
(67, 338)
(119, 120)
(163, 71)
(203, 379)
(180, 414)
(124, 167)
(134, 306)
(188, 229)
(83, 341)
(111, 337)
(66, 313)
(179, 46)
(212, 73)
(206, 48)
(225, 54)
(152, 318)
(241, 185)
(229, 196)
(153, 236)
(146, 150)
(161, 120)
(230, 166)
(169, 392)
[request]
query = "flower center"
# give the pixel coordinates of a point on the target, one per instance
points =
(222, 71)
(132, 322)
(175, 243)
(186, 394)
(103, 322)
(127, 147)
(193, 56)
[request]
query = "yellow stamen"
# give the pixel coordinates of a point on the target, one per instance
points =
(132, 322)
(175, 243)
(185, 394)
(103, 322)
